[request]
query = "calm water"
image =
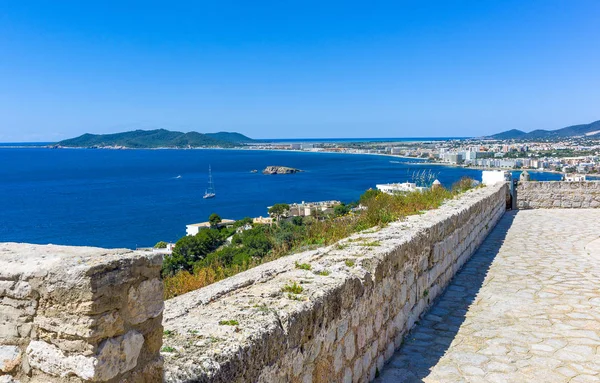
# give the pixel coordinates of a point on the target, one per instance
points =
(129, 198)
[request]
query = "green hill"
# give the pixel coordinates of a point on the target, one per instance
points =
(591, 130)
(158, 138)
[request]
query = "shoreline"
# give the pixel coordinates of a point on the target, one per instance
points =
(417, 160)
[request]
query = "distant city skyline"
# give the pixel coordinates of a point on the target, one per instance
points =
(297, 70)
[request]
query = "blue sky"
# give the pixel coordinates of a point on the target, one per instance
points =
(297, 68)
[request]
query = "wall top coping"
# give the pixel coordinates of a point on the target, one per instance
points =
(26, 261)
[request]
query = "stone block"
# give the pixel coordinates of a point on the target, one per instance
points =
(10, 358)
(145, 301)
(115, 356)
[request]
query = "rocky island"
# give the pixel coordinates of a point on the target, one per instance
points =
(280, 170)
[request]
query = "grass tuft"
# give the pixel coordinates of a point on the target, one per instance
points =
(293, 288)
(303, 266)
(370, 244)
(231, 322)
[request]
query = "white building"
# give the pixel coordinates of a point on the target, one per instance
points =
(491, 177)
(194, 228)
(395, 188)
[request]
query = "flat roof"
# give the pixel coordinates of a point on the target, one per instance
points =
(223, 221)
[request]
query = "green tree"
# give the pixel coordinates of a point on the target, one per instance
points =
(191, 249)
(214, 220)
(278, 210)
(160, 245)
(341, 210)
(256, 242)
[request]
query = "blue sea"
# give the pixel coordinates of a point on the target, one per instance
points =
(134, 198)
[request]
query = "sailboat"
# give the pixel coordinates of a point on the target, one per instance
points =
(210, 192)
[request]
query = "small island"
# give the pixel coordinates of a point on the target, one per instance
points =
(280, 170)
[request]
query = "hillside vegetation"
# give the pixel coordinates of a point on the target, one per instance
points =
(591, 129)
(207, 257)
(158, 138)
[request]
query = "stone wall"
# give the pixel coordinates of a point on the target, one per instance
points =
(330, 315)
(77, 314)
(558, 194)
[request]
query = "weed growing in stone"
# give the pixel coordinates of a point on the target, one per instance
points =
(262, 308)
(169, 332)
(370, 244)
(324, 273)
(167, 349)
(293, 288)
(303, 266)
(231, 322)
(349, 262)
(295, 297)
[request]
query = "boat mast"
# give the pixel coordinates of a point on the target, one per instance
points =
(211, 187)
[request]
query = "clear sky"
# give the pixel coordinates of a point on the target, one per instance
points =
(297, 68)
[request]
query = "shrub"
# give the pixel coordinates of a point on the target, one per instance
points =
(191, 249)
(462, 185)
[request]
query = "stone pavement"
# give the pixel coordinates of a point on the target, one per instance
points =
(525, 308)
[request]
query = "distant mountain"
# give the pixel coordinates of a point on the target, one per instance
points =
(158, 138)
(509, 134)
(591, 130)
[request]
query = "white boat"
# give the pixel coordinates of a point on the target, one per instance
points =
(210, 191)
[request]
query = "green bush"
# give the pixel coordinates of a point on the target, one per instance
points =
(191, 249)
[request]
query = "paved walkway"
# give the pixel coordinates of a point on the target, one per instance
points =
(525, 308)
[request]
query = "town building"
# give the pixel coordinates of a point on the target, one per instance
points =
(397, 188)
(262, 220)
(194, 228)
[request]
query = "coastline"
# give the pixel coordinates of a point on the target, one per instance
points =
(417, 160)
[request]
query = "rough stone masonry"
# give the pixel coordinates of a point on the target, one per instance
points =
(354, 304)
(73, 314)
(558, 194)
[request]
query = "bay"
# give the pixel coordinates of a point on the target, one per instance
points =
(134, 198)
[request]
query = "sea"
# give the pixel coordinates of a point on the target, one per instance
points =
(135, 198)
